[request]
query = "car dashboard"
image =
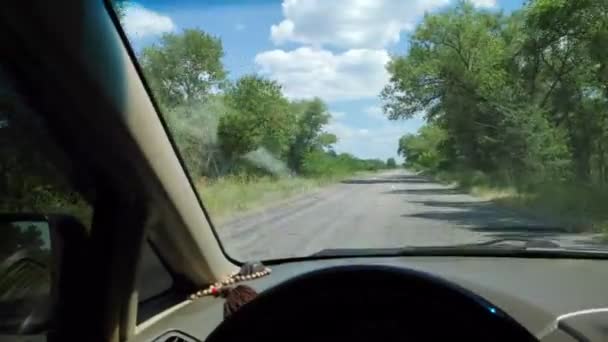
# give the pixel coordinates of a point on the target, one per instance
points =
(553, 299)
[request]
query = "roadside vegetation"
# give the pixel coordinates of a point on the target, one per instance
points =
(231, 195)
(516, 105)
(516, 109)
(243, 141)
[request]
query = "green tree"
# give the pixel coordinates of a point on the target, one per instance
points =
(120, 7)
(29, 181)
(195, 129)
(467, 70)
(184, 67)
(566, 43)
(454, 71)
(425, 148)
(311, 116)
(326, 140)
(391, 163)
(260, 118)
(318, 163)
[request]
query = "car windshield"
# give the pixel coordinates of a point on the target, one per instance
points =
(310, 126)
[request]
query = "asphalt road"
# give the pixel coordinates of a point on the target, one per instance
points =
(391, 209)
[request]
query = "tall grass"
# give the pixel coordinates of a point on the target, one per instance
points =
(578, 207)
(228, 196)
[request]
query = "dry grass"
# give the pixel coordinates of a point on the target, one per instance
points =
(579, 207)
(228, 196)
(493, 193)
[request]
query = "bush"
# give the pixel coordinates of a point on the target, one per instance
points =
(234, 194)
(194, 128)
(319, 163)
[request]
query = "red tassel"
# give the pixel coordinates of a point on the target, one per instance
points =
(236, 297)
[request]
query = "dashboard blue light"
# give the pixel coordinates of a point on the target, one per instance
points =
(492, 309)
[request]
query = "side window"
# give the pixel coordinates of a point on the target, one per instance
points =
(34, 185)
(33, 170)
(25, 271)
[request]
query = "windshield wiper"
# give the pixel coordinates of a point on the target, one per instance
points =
(495, 247)
(510, 243)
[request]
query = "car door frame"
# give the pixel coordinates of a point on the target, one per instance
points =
(74, 64)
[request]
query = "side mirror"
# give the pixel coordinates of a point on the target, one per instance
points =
(33, 251)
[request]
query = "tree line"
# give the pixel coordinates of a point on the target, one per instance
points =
(521, 96)
(222, 127)
(246, 126)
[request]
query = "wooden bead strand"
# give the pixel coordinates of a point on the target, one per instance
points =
(234, 277)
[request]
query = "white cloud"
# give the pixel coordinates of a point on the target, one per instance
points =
(341, 130)
(307, 72)
(374, 112)
(484, 3)
(140, 22)
(337, 115)
(380, 142)
(350, 23)
(240, 27)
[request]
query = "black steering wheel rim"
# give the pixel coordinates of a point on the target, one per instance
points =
(338, 303)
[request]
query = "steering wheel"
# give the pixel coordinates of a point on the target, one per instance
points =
(368, 303)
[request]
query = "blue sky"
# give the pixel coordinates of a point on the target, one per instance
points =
(333, 49)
